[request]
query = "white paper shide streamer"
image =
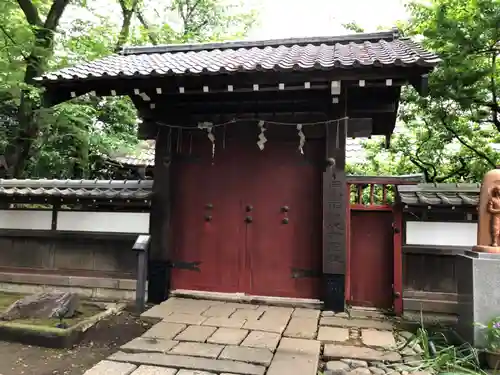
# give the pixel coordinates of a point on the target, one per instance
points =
(302, 138)
(209, 127)
(262, 138)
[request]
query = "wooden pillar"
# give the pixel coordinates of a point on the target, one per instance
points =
(159, 252)
(398, 258)
(334, 217)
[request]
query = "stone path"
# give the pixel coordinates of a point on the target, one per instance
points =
(202, 337)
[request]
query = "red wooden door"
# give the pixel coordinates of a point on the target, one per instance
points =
(284, 236)
(371, 269)
(206, 220)
(228, 215)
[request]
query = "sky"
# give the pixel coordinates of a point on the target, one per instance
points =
(294, 18)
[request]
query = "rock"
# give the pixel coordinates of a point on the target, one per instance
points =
(354, 363)
(376, 370)
(360, 371)
(43, 305)
(337, 368)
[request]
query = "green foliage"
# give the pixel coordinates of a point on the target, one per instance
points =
(492, 333)
(448, 135)
(73, 139)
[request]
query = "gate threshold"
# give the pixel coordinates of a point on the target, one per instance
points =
(246, 298)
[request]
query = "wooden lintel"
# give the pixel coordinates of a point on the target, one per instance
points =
(421, 84)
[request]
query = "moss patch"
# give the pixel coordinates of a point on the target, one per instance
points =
(85, 310)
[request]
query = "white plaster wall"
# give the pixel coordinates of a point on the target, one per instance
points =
(29, 219)
(441, 233)
(106, 222)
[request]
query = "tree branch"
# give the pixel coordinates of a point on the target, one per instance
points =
(31, 12)
(8, 36)
(55, 14)
(465, 144)
(153, 38)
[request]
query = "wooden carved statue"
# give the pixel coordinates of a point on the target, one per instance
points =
(494, 211)
(488, 228)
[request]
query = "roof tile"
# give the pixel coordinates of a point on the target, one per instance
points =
(378, 49)
(445, 194)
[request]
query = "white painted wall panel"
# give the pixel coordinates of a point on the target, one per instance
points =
(32, 219)
(105, 222)
(441, 233)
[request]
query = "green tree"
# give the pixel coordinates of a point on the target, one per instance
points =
(73, 139)
(448, 135)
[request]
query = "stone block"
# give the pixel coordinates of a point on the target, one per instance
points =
(188, 306)
(166, 331)
(111, 368)
(295, 357)
(247, 314)
(158, 311)
(228, 336)
(224, 322)
(382, 339)
(337, 368)
(333, 352)
(219, 311)
(303, 328)
(189, 362)
(306, 313)
(333, 334)
(197, 349)
(154, 370)
(194, 372)
(355, 323)
(261, 339)
(149, 344)
(257, 356)
(478, 282)
(184, 318)
(269, 323)
(195, 333)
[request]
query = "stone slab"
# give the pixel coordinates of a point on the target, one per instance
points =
(228, 336)
(277, 309)
(149, 344)
(295, 357)
(224, 322)
(356, 323)
(332, 352)
(276, 324)
(247, 314)
(194, 372)
(197, 349)
(220, 311)
(186, 306)
(188, 362)
(111, 368)
(157, 311)
(154, 370)
(185, 318)
(195, 333)
(333, 334)
(257, 356)
(302, 328)
(261, 339)
(165, 331)
(382, 339)
(306, 313)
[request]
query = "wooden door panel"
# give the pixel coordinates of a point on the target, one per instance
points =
(282, 177)
(371, 265)
(206, 229)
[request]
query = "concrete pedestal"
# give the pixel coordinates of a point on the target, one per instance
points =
(478, 279)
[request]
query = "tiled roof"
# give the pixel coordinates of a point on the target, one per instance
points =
(307, 54)
(90, 189)
(440, 194)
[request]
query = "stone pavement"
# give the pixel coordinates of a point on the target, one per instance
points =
(202, 337)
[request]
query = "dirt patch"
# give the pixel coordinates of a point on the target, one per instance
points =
(100, 341)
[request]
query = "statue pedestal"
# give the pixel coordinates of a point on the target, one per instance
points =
(478, 287)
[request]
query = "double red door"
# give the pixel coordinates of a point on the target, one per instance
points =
(247, 220)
